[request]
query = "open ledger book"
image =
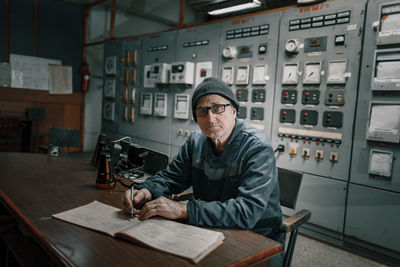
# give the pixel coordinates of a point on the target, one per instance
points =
(187, 241)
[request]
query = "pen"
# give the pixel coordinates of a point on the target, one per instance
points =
(132, 188)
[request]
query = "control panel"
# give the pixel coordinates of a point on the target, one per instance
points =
(198, 51)
(317, 70)
(375, 170)
(247, 64)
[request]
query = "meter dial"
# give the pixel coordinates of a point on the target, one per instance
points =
(312, 73)
(229, 52)
(337, 71)
(227, 75)
(109, 88)
(242, 75)
(290, 74)
(292, 46)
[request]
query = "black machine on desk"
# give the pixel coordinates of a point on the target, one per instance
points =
(125, 159)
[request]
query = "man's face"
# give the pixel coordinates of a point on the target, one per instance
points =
(216, 126)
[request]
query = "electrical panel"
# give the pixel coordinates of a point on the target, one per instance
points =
(182, 73)
(159, 73)
(247, 57)
(199, 46)
(315, 78)
(317, 69)
(298, 75)
(112, 88)
(375, 169)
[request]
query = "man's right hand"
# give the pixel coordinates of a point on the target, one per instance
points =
(140, 197)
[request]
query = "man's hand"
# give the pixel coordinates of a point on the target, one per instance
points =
(163, 207)
(141, 196)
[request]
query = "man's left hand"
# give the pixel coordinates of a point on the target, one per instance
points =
(163, 207)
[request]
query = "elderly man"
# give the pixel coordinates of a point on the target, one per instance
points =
(229, 164)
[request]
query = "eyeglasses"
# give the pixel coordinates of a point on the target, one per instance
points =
(215, 109)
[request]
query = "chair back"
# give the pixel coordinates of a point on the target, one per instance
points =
(64, 137)
(289, 187)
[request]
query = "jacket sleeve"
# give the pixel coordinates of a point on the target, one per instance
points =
(257, 181)
(175, 178)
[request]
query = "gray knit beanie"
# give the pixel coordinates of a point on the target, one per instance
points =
(210, 86)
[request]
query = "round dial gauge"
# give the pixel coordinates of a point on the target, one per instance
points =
(292, 46)
(229, 52)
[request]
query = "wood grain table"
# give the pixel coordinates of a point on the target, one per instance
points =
(35, 186)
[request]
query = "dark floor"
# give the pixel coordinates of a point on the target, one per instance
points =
(310, 252)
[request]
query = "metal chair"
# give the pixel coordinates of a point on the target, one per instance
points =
(289, 187)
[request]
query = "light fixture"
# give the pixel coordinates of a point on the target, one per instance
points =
(235, 8)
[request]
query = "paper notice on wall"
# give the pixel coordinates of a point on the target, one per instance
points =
(60, 79)
(30, 72)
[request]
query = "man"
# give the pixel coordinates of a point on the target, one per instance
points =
(229, 164)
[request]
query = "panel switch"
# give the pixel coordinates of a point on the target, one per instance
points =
(333, 156)
(306, 153)
(293, 149)
(319, 155)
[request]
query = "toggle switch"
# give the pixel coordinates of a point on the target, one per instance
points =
(319, 155)
(306, 153)
(333, 156)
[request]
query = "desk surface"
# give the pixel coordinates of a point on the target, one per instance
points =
(35, 186)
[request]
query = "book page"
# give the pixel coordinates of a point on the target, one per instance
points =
(98, 216)
(176, 238)
(180, 239)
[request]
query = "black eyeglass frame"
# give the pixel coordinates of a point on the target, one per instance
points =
(203, 111)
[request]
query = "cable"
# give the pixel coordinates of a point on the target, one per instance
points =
(123, 138)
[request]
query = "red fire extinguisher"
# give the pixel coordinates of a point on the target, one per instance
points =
(85, 74)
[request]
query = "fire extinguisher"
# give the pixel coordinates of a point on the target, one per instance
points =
(85, 74)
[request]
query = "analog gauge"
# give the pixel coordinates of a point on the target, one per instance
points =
(260, 74)
(292, 46)
(227, 75)
(337, 71)
(290, 74)
(109, 88)
(229, 52)
(242, 76)
(312, 73)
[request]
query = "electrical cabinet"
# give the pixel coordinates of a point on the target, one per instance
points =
(298, 74)
(247, 64)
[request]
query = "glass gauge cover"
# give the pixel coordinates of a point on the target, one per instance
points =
(229, 52)
(312, 73)
(292, 46)
(290, 74)
(227, 75)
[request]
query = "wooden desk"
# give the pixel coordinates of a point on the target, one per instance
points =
(35, 186)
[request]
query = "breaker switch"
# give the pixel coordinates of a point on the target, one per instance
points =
(306, 153)
(293, 149)
(333, 156)
(319, 155)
